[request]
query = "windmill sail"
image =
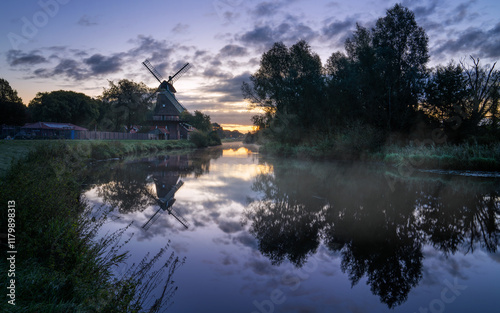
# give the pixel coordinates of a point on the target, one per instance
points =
(152, 70)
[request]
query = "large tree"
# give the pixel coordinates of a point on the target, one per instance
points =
(288, 86)
(127, 103)
(380, 78)
(12, 109)
(401, 48)
(64, 107)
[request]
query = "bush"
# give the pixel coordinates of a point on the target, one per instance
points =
(199, 139)
(214, 139)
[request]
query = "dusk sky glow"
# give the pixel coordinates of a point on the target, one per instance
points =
(48, 45)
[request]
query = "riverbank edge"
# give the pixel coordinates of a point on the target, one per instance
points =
(58, 267)
(462, 157)
(94, 150)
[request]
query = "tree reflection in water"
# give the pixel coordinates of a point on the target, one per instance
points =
(377, 231)
(133, 185)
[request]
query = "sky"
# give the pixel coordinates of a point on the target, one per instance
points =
(48, 45)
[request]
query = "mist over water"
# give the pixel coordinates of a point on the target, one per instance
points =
(275, 235)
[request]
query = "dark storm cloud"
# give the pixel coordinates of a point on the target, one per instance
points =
(17, 57)
(483, 43)
(100, 64)
(233, 51)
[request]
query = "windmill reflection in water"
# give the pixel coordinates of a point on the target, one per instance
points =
(167, 183)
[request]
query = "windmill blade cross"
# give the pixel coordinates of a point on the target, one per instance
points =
(182, 71)
(153, 70)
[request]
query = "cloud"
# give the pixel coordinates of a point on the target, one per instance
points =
(214, 72)
(87, 21)
(338, 28)
(17, 57)
(266, 35)
(100, 64)
(267, 8)
(66, 67)
(180, 28)
(233, 51)
(259, 35)
(483, 43)
(461, 13)
(422, 10)
(230, 226)
(155, 50)
(230, 88)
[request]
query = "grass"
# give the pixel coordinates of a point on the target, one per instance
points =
(448, 157)
(61, 264)
(474, 157)
(12, 150)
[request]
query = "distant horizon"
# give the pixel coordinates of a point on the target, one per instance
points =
(50, 45)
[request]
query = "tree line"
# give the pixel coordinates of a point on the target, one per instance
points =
(381, 82)
(121, 106)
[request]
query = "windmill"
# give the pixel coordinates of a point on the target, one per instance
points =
(168, 109)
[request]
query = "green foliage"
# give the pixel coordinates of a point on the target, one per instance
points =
(7, 94)
(199, 138)
(126, 103)
(288, 83)
(199, 120)
(12, 109)
(64, 107)
(213, 139)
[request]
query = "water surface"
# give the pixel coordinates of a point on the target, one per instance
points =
(270, 235)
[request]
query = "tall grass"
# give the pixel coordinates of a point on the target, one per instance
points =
(61, 264)
(358, 142)
(450, 157)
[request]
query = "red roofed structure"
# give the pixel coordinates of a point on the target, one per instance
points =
(51, 130)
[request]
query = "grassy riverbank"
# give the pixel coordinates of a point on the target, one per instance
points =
(60, 265)
(465, 156)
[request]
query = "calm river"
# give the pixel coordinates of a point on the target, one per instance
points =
(270, 235)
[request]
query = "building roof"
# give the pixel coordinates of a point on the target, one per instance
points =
(53, 126)
(157, 131)
(167, 104)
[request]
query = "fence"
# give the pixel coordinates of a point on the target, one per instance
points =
(98, 135)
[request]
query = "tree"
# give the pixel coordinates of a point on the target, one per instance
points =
(199, 120)
(463, 96)
(127, 103)
(401, 50)
(288, 86)
(445, 91)
(483, 88)
(64, 107)
(12, 109)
